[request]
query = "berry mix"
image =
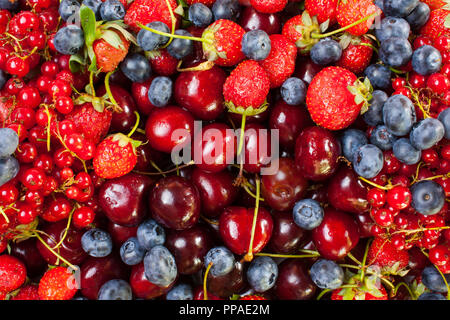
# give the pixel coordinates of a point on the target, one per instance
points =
(94, 205)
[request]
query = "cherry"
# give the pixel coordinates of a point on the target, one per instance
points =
(294, 282)
(287, 237)
(64, 104)
(120, 233)
(229, 284)
(442, 43)
(251, 19)
(257, 147)
(365, 223)
(399, 197)
(139, 90)
(142, 288)
(27, 252)
(198, 295)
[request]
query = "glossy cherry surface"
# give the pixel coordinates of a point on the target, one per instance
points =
(142, 288)
(257, 147)
(229, 284)
(251, 19)
(287, 237)
(294, 282)
(27, 252)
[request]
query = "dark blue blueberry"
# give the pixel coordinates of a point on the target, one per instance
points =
(97, 243)
(150, 41)
(11, 5)
(226, 9)
(351, 140)
(431, 296)
(160, 267)
(382, 138)
(426, 133)
(432, 279)
(262, 274)
(379, 4)
(3, 79)
(222, 261)
(9, 140)
(69, 40)
(136, 67)
(180, 48)
(256, 45)
(395, 52)
(307, 214)
(368, 161)
(160, 91)
(132, 252)
(399, 8)
(326, 51)
(181, 291)
(419, 16)
(9, 168)
(200, 15)
(405, 152)
(399, 115)
(428, 197)
(68, 9)
(426, 60)
(112, 10)
(392, 27)
(374, 116)
(293, 91)
(94, 5)
(379, 76)
(150, 234)
(327, 274)
(116, 289)
(444, 117)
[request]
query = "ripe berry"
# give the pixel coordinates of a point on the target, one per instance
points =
(438, 83)
(399, 197)
(17, 66)
(376, 197)
(83, 216)
(383, 217)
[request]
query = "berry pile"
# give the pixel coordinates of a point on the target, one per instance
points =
(348, 200)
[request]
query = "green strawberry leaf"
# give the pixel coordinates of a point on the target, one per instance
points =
(89, 25)
(75, 62)
(113, 39)
(447, 21)
(235, 297)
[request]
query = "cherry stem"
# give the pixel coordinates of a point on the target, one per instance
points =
(138, 117)
(249, 256)
(394, 292)
(4, 215)
(108, 89)
(169, 35)
(66, 230)
(246, 188)
(209, 220)
(205, 277)
(190, 163)
(354, 259)
(201, 67)
(293, 256)
(324, 35)
(389, 187)
(154, 165)
(241, 137)
(53, 251)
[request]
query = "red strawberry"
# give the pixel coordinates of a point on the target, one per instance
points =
(162, 62)
(356, 55)
(385, 255)
(108, 56)
(335, 97)
(268, 6)
(224, 46)
(146, 11)
(28, 292)
(252, 297)
(435, 25)
(350, 11)
(280, 63)
(115, 156)
(435, 4)
(323, 9)
(208, 3)
(57, 284)
(125, 3)
(12, 273)
(357, 294)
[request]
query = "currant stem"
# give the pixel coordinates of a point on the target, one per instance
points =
(190, 163)
(169, 35)
(138, 117)
(53, 251)
(4, 215)
(249, 256)
(354, 259)
(66, 230)
(205, 293)
(373, 184)
(324, 35)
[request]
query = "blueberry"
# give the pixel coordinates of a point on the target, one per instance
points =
(160, 91)
(9, 140)
(426, 60)
(326, 51)
(382, 138)
(150, 234)
(11, 5)
(256, 45)
(293, 91)
(262, 274)
(9, 168)
(426, 133)
(428, 197)
(431, 296)
(351, 140)
(399, 115)
(160, 267)
(116, 289)
(405, 152)
(150, 41)
(374, 115)
(432, 279)
(222, 261)
(94, 5)
(96, 243)
(419, 16)
(69, 40)
(395, 52)
(392, 27)
(112, 10)
(68, 9)
(200, 15)
(368, 161)
(444, 117)
(3, 79)
(136, 67)
(180, 48)
(132, 252)
(379, 76)
(307, 214)
(181, 291)
(226, 9)
(399, 8)
(379, 4)
(327, 274)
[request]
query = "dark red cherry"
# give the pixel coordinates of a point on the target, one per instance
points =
(229, 284)
(124, 199)
(287, 237)
(365, 223)
(337, 234)
(316, 153)
(216, 190)
(146, 154)
(142, 288)
(251, 19)
(200, 92)
(139, 90)
(175, 203)
(27, 252)
(285, 187)
(294, 282)
(306, 69)
(120, 234)
(257, 147)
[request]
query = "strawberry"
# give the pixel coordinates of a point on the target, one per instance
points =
(28, 292)
(436, 4)
(435, 25)
(115, 156)
(358, 294)
(252, 297)
(280, 63)
(57, 284)
(356, 53)
(268, 6)
(12, 273)
(162, 62)
(126, 3)
(335, 97)
(146, 11)
(208, 3)
(108, 56)
(385, 255)
(223, 45)
(350, 11)
(323, 9)
(7, 106)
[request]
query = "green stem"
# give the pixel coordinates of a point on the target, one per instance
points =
(249, 256)
(108, 88)
(292, 256)
(91, 82)
(138, 117)
(241, 137)
(205, 294)
(324, 35)
(354, 259)
(364, 260)
(169, 35)
(407, 288)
